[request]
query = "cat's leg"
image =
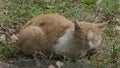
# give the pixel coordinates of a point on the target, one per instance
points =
(30, 39)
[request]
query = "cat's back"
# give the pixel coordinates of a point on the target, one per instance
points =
(48, 20)
(53, 25)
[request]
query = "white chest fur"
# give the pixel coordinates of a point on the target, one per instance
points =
(68, 44)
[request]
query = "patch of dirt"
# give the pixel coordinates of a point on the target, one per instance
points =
(29, 64)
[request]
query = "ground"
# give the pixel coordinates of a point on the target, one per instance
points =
(14, 13)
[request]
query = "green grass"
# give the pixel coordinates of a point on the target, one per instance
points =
(20, 11)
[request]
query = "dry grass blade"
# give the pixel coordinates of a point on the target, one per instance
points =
(43, 56)
(3, 28)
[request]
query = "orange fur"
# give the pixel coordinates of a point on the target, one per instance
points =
(46, 32)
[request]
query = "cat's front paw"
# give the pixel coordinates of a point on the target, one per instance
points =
(91, 52)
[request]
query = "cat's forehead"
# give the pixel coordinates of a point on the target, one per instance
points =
(89, 29)
(88, 26)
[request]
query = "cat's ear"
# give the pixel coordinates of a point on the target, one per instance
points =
(102, 26)
(76, 26)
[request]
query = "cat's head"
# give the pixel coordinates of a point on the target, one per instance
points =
(88, 34)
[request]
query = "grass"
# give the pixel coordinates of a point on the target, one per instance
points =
(20, 11)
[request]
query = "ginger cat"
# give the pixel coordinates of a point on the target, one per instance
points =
(53, 32)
